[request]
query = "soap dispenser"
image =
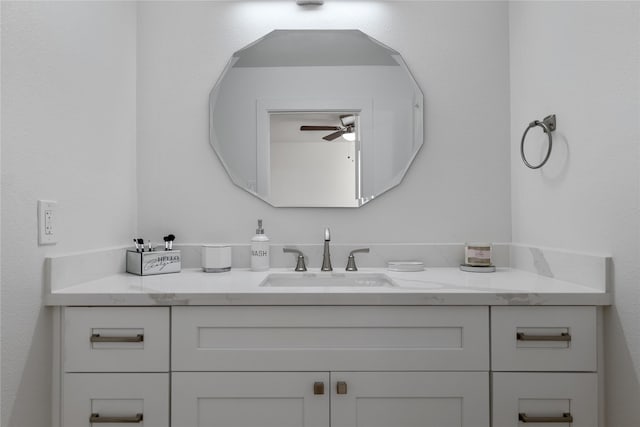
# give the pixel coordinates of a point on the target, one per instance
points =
(260, 250)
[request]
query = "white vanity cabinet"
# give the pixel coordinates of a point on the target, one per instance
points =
(321, 366)
(330, 366)
(336, 399)
(114, 366)
(544, 366)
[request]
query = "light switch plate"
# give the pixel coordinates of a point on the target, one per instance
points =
(47, 222)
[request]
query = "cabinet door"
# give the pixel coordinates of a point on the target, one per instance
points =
(410, 399)
(563, 399)
(250, 399)
(112, 399)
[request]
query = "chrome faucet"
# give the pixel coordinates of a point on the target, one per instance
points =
(326, 257)
(351, 261)
(300, 265)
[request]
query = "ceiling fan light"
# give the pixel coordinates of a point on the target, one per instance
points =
(350, 136)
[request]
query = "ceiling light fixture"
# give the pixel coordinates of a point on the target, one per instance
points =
(310, 2)
(349, 136)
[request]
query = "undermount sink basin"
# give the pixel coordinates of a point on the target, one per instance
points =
(324, 280)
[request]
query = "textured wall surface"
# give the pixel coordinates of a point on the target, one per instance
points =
(68, 134)
(580, 60)
(458, 186)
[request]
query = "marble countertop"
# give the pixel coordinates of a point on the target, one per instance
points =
(433, 286)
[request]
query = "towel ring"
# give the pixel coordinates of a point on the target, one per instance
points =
(548, 125)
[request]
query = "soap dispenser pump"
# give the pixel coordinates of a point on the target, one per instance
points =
(260, 250)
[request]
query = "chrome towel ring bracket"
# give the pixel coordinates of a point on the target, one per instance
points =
(548, 125)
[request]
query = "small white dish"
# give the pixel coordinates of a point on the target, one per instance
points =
(405, 266)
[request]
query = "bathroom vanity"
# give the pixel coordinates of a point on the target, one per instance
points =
(435, 348)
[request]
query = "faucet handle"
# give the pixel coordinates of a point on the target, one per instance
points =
(351, 262)
(300, 265)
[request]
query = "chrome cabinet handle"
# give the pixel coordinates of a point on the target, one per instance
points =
(521, 336)
(98, 338)
(96, 418)
(341, 387)
(565, 418)
(318, 388)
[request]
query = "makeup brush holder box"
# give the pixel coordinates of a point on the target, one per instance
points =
(153, 262)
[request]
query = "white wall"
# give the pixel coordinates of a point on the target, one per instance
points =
(313, 173)
(68, 134)
(458, 187)
(70, 106)
(580, 60)
(1, 117)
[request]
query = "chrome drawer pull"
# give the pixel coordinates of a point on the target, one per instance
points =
(521, 336)
(98, 338)
(96, 418)
(565, 418)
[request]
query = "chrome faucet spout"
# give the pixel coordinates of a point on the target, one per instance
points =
(326, 256)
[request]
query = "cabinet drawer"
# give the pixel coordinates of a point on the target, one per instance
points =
(330, 338)
(543, 338)
(560, 399)
(134, 399)
(116, 339)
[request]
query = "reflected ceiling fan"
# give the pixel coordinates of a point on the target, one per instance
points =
(348, 126)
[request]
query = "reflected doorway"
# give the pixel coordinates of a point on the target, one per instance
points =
(315, 159)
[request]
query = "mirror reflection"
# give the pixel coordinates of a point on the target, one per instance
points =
(314, 159)
(316, 118)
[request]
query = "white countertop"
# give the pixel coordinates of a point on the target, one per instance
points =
(433, 286)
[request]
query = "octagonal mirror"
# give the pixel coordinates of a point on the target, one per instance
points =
(316, 118)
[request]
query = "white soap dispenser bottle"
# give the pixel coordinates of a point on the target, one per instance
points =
(259, 250)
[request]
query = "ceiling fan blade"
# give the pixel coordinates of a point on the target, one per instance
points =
(320, 128)
(334, 135)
